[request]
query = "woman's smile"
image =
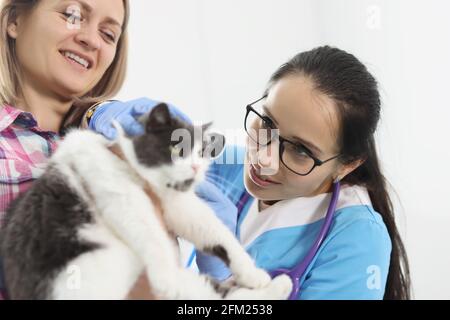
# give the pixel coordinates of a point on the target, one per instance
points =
(258, 179)
(79, 63)
(82, 59)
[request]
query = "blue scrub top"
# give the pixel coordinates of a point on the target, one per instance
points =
(353, 261)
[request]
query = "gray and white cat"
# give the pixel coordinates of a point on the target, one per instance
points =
(87, 228)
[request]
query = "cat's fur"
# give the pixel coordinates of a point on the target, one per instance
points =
(86, 229)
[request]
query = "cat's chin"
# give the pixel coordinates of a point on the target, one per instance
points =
(181, 185)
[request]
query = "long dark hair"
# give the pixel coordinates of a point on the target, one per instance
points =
(342, 77)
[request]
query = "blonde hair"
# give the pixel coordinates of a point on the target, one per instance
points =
(10, 79)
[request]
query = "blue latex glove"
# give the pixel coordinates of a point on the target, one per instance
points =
(226, 211)
(126, 113)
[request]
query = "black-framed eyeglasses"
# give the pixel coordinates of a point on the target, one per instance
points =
(294, 156)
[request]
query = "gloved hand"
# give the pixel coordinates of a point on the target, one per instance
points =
(226, 211)
(125, 113)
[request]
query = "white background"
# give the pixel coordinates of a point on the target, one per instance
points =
(212, 57)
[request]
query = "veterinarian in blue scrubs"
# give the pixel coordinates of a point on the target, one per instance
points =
(324, 107)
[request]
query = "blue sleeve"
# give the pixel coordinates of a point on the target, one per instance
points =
(353, 264)
(226, 172)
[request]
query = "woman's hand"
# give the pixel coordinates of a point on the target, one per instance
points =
(223, 207)
(141, 289)
(125, 113)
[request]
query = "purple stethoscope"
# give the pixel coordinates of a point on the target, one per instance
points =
(297, 272)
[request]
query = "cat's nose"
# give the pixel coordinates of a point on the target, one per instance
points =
(195, 167)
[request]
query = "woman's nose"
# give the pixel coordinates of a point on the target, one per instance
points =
(89, 38)
(267, 158)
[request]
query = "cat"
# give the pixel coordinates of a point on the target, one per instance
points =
(87, 228)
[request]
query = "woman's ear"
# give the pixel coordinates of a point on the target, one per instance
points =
(348, 168)
(12, 29)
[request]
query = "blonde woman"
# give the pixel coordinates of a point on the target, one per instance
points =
(59, 58)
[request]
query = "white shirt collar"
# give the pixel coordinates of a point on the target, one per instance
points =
(298, 211)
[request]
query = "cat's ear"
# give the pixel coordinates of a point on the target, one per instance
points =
(206, 126)
(213, 145)
(159, 117)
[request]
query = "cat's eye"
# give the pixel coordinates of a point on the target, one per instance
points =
(177, 151)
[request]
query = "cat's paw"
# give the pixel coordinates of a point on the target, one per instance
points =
(255, 278)
(280, 288)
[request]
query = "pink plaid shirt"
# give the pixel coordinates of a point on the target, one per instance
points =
(24, 152)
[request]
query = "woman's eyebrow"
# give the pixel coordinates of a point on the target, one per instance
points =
(266, 110)
(83, 4)
(295, 139)
(89, 9)
(113, 21)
